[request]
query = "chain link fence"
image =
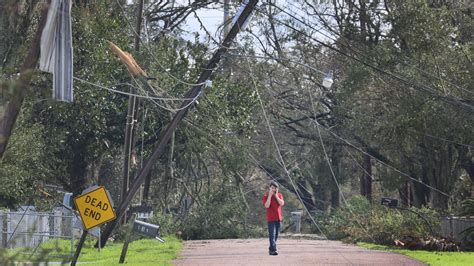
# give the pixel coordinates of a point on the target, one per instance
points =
(27, 230)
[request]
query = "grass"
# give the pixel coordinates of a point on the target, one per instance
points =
(434, 258)
(140, 252)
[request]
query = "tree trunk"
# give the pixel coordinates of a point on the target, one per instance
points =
(146, 189)
(14, 25)
(420, 192)
(320, 197)
(366, 179)
(14, 105)
(439, 180)
(405, 194)
(466, 161)
(438, 201)
(363, 21)
(305, 195)
(335, 198)
(441, 164)
(78, 178)
(336, 160)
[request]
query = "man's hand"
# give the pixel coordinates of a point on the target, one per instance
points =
(269, 198)
(280, 201)
(270, 192)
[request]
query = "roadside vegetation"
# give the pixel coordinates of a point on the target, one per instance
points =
(395, 121)
(437, 258)
(140, 252)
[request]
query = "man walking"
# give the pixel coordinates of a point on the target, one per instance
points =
(273, 200)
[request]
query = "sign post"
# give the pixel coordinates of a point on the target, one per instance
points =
(142, 228)
(79, 247)
(128, 239)
(95, 208)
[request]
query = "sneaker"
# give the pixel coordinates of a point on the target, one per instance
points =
(273, 253)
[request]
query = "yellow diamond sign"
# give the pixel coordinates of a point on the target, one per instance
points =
(95, 208)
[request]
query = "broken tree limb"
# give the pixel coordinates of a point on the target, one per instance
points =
(128, 60)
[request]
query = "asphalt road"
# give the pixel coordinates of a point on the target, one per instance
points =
(291, 252)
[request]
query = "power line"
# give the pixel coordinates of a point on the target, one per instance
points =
(205, 29)
(355, 50)
(352, 111)
(166, 107)
(285, 167)
(151, 53)
(282, 161)
(326, 154)
(215, 144)
(448, 99)
(362, 151)
(130, 94)
(363, 169)
(176, 120)
(332, 171)
(365, 115)
(409, 129)
(319, 71)
(260, 166)
(350, 47)
(271, 175)
(385, 164)
(280, 59)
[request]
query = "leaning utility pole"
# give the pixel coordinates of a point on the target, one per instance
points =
(129, 126)
(227, 18)
(227, 26)
(178, 117)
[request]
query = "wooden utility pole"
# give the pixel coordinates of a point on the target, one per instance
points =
(129, 126)
(227, 18)
(227, 27)
(13, 106)
(146, 186)
(178, 117)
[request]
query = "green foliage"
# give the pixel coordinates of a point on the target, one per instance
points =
(11, 257)
(23, 167)
(169, 223)
(55, 142)
(140, 252)
(363, 221)
(413, 129)
(410, 123)
(77, 137)
(5, 258)
(222, 215)
(467, 207)
(429, 257)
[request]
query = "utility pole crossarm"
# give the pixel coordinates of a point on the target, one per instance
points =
(178, 117)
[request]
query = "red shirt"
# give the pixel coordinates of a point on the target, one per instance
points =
(274, 211)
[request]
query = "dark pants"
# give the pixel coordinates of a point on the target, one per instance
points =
(273, 229)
